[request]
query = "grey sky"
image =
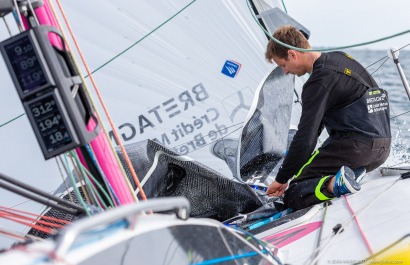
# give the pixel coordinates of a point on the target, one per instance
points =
(340, 23)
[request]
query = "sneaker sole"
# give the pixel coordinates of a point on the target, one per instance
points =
(347, 183)
(361, 176)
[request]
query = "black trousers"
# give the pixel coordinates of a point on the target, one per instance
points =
(309, 186)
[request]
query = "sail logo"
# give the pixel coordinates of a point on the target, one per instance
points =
(231, 68)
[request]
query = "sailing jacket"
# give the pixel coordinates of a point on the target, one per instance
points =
(342, 96)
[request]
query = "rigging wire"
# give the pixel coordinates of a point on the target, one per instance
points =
(284, 6)
(128, 161)
(165, 22)
(11, 216)
(112, 196)
(64, 180)
(324, 49)
(400, 114)
(9, 210)
(74, 62)
(377, 62)
(26, 189)
(380, 66)
(7, 26)
(350, 219)
(371, 258)
(144, 37)
(88, 187)
(151, 33)
(74, 185)
(17, 16)
(80, 178)
(33, 13)
(12, 234)
(10, 121)
(88, 175)
(43, 229)
(319, 240)
(385, 58)
(45, 224)
(125, 50)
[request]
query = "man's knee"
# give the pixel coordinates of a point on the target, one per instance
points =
(303, 194)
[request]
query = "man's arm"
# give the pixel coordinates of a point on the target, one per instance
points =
(315, 103)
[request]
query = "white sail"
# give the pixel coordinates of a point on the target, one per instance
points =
(187, 83)
(185, 79)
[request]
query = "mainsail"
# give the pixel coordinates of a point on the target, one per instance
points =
(184, 83)
(184, 74)
(180, 72)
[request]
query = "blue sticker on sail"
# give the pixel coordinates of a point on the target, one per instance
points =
(231, 68)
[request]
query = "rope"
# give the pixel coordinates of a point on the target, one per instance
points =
(81, 179)
(116, 136)
(321, 230)
(90, 188)
(125, 50)
(284, 6)
(7, 122)
(366, 241)
(267, 33)
(93, 178)
(74, 185)
(383, 251)
(85, 64)
(7, 26)
(380, 66)
(17, 16)
(350, 219)
(10, 210)
(64, 180)
(46, 230)
(324, 49)
(34, 14)
(144, 37)
(377, 61)
(12, 216)
(12, 235)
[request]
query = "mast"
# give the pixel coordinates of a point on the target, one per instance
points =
(76, 117)
(395, 56)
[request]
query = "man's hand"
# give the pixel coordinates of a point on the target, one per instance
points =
(276, 189)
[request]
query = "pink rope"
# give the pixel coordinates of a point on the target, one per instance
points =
(360, 228)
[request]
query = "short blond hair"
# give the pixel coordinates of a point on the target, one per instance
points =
(289, 35)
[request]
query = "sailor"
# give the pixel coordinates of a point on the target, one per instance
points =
(341, 96)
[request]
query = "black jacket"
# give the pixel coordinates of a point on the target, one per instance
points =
(324, 93)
